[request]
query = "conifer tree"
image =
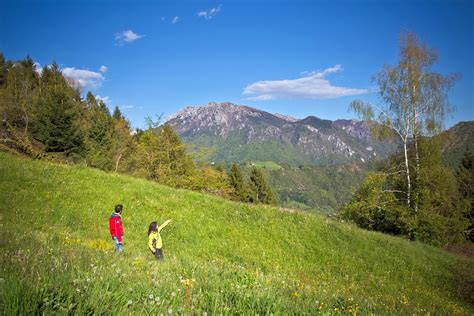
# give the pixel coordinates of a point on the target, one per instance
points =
(118, 114)
(262, 191)
(237, 182)
(99, 136)
(57, 113)
(124, 144)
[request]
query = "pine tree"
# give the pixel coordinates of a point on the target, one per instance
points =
(262, 191)
(99, 136)
(57, 113)
(118, 116)
(124, 144)
(237, 182)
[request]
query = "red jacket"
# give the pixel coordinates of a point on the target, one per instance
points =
(115, 226)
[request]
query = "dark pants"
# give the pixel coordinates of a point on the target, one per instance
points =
(159, 254)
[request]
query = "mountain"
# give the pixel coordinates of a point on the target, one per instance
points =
(316, 188)
(455, 141)
(221, 257)
(242, 133)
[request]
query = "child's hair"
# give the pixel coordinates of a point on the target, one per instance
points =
(118, 208)
(153, 227)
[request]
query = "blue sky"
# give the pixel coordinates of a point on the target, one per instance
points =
(298, 58)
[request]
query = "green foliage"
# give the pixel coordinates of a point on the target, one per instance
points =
(465, 178)
(221, 257)
(379, 203)
(118, 116)
(99, 134)
(268, 165)
(455, 141)
(57, 113)
(124, 144)
(241, 191)
(262, 191)
(440, 219)
(211, 180)
(4, 69)
(43, 115)
(322, 189)
(374, 207)
(161, 156)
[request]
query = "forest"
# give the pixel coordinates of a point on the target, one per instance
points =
(45, 116)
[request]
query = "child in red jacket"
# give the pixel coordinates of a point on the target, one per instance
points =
(116, 228)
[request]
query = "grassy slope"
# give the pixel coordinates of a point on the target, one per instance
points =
(222, 257)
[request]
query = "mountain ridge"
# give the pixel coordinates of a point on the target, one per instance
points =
(239, 132)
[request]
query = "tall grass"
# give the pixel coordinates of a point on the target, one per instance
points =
(220, 257)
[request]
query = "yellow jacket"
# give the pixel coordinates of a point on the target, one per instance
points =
(154, 239)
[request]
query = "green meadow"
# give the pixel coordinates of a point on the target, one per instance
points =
(221, 257)
(270, 165)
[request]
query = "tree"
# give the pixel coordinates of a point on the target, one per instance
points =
(5, 66)
(440, 219)
(118, 116)
(98, 140)
(379, 203)
(414, 103)
(162, 157)
(18, 86)
(238, 184)
(57, 113)
(376, 207)
(262, 191)
(124, 144)
(465, 178)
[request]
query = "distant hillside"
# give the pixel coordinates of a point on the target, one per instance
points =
(221, 257)
(455, 141)
(322, 189)
(241, 133)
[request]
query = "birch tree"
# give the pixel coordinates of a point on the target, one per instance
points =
(414, 103)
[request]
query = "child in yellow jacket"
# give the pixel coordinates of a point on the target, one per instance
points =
(154, 239)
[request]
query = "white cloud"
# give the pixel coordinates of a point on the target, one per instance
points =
(210, 13)
(103, 69)
(83, 78)
(175, 20)
(126, 37)
(311, 86)
(128, 106)
(105, 99)
(38, 67)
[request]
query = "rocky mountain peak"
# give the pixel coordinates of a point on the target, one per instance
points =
(238, 131)
(287, 118)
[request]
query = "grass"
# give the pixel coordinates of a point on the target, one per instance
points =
(270, 165)
(221, 257)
